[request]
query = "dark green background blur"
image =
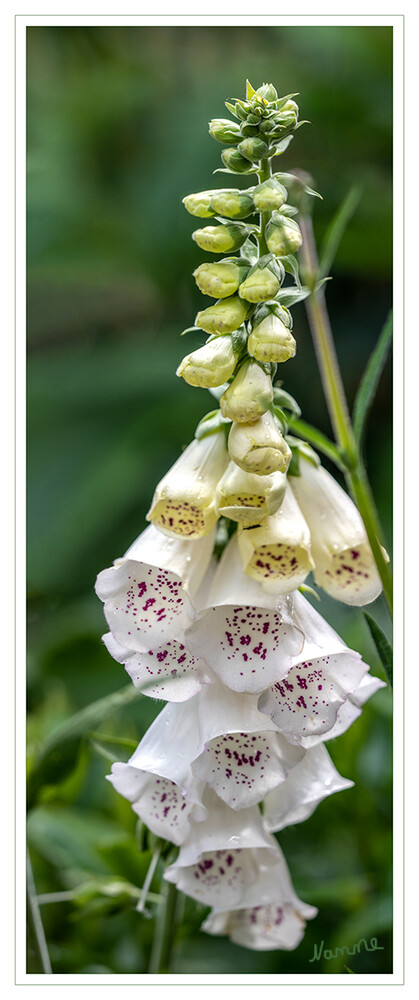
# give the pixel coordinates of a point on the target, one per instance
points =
(117, 135)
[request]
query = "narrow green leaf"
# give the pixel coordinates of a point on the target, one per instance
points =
(371, 378)
(337, 228)
(286, 401)
(318, 440)
(382, 645)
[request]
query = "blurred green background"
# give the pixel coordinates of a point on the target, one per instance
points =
(117, 135)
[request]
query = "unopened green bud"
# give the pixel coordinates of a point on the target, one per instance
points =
(211, 365)
(241, 110)
(263, 281)
(220, 239)
(248, 129)
(249, 395)
(253, 149)
(234, 161)
(224, 130)
(271, 341)
(224, 317)
(199, 204)
(269, 196)
(220, 279)
(259, 447)
(283, 235)
(233, 203)
(267, 90)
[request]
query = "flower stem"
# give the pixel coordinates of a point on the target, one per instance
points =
(35, 920)
(334, 391)
(264, 173)
(165, 931)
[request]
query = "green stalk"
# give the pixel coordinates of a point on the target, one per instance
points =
(264, 173)
(164, 933)
(334, 391)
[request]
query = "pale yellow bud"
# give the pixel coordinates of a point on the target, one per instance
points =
(184, 500)
(211, 365)
(224, 317)
(260, 285)
(271, 341)
(199, 204)
(277, 552)
(246, 497)
(218, 280)
(249, 395)
(259, 447)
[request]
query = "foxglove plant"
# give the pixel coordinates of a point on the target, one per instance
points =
(255, 680)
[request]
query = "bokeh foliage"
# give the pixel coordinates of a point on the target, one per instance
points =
(117, 135)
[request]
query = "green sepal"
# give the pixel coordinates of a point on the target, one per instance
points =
(250, 91)
(290, 264)
(231, 108)
(241, 110)
(291, 180)
(289, 296)
(282, 146)
(289, 210)
(239, 340)
(286, 401)
(280, 418)
(250, 251)
(248, 130)
(279, 104)
(191, 329)
(305, 589)
(304, 449)
(211, 423)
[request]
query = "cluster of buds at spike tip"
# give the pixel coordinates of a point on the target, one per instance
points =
(263, 121)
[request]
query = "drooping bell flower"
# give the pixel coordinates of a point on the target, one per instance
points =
(312, 779)
(259, 447)
(157, 801)
(148, 594)
(246, 497)
(344, 563)
(230, 862)
(324, 674)
(218, 738)
(277, 551)
(183, 503)
(246, 636)
(169, 672)
(274, 926)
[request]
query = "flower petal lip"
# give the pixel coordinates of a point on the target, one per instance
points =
(306, 701)
(147, 595)
(157, 801)
(169, 673)
(312, 779)
(183, 502)
(246, 636)
(246, 497)
(344, 563)
(277, 552)
(262, 928)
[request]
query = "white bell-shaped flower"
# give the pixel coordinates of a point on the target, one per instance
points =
(183, 502)
(275, 926)
(313, 779)
(344, 563)
(277, 551)
(306, 701)
(248, 637)
(246, 497)
(220, 738)
(170, 672)
(157, 801)
(230, 861)
(148, 593)
(349, 711)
